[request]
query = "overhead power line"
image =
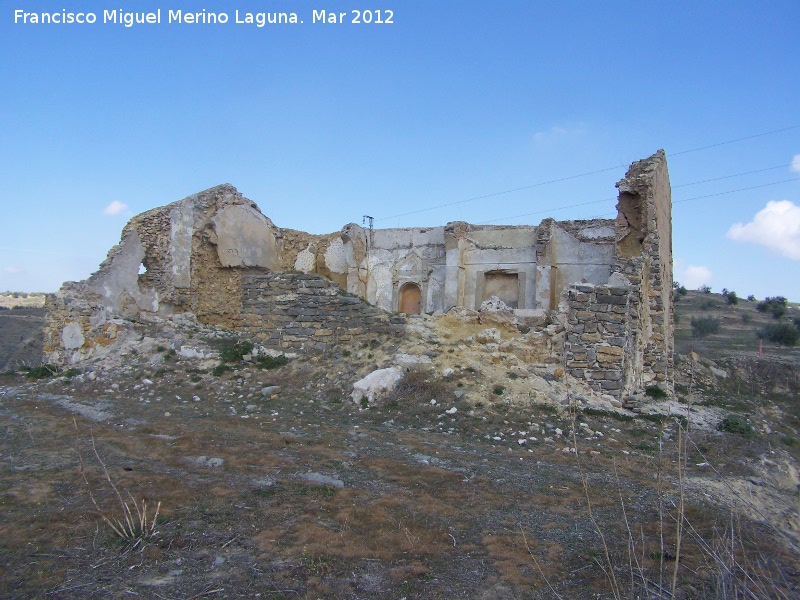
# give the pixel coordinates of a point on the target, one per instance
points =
(732, 176)
(587, 174)
(551, 210)
(744, 189)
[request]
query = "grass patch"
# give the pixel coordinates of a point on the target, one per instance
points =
(597, 412)
(654, 418)
(645, 448)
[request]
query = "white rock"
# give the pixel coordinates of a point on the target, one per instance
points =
(376, 383)
(207, 461)
(488, 336)
(719, 372)
(493, 303)
(451, 411)
(410, 361)
(619, 280)
(72, 336)
(190, 352)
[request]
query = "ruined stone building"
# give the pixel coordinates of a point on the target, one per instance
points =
(214, 254)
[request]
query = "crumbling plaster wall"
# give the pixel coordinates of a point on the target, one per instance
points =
(192, 253)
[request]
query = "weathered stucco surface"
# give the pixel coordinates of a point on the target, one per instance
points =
(215, 255)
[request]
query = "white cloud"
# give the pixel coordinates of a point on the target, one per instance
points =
(693, 276)
(776, 226)
(558, 134)
(115, 208)
(796, 163)
(553, 133)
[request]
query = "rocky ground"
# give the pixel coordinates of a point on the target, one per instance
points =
(483, 474)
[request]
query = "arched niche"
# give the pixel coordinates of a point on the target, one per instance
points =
(410, 301)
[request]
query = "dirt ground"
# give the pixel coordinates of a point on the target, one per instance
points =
(272, 483)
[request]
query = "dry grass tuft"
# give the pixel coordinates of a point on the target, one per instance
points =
(136, 526)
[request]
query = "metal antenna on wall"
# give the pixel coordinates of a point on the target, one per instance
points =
(371, 220)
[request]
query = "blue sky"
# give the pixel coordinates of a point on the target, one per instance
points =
(320, 124)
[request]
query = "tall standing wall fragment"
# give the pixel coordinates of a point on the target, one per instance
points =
(620, 336)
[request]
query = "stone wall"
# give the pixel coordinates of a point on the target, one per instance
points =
(308, 313)
(644, 259)
(620, 335)
(598, 331)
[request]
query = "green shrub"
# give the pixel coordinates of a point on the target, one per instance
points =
(235, 352)
(783, 334)
(655, 392)
(270, 362)
(704, 289)
(746, 317)
(498, 390)
(42, 372)
(730, 297)
(704, 326)
(220, 369)
(775, 306)
(735, 424)
(71, 372)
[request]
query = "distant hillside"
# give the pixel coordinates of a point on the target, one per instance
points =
(12, 299)
(738, 326)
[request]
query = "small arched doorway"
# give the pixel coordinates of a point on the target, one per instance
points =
(410, 299)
